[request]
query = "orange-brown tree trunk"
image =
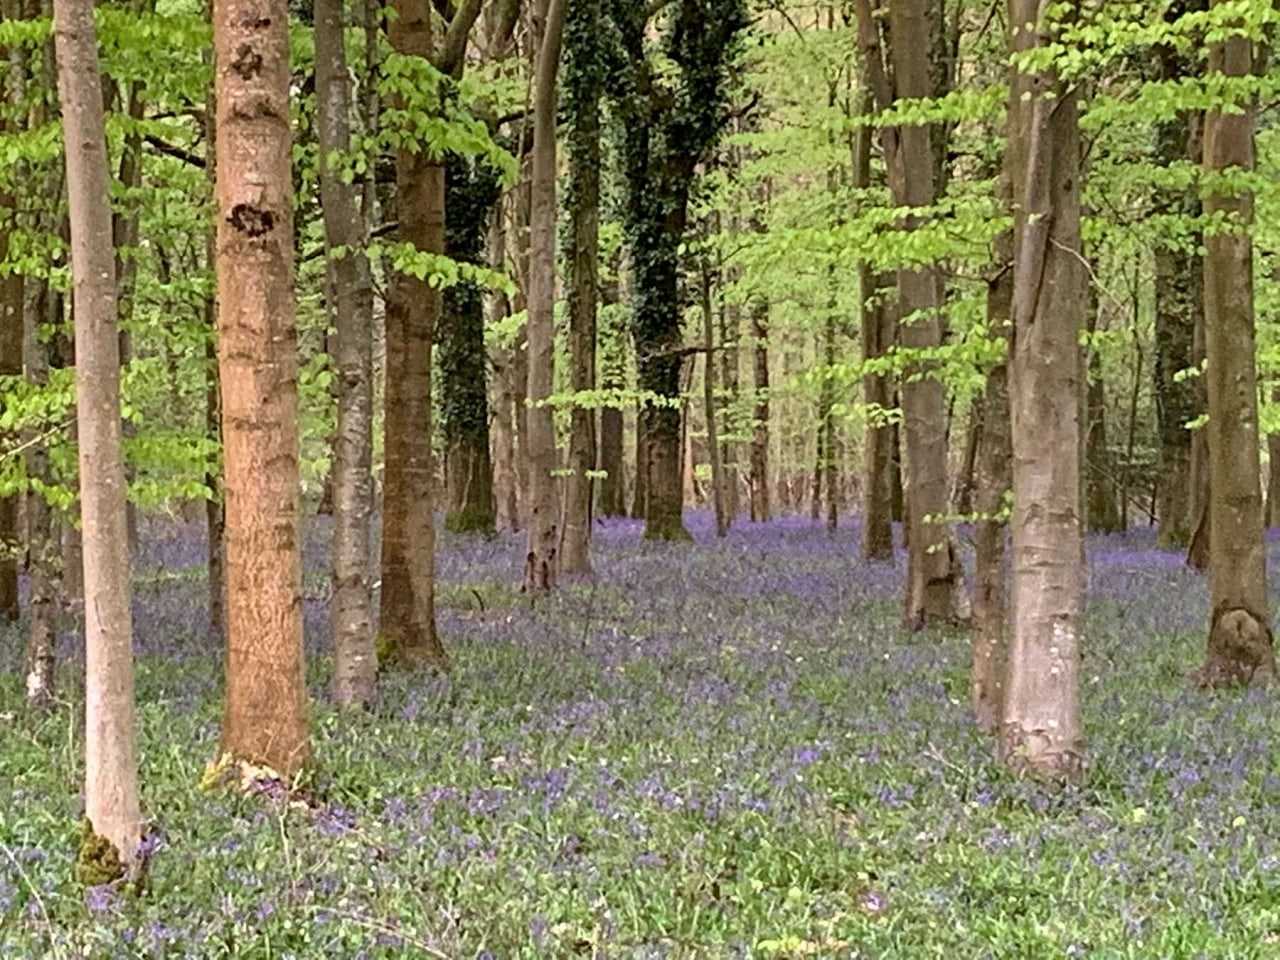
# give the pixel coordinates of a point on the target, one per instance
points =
(266, 711)
(1240, 642)
(111, 762)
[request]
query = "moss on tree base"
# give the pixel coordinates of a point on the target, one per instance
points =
(97, 859)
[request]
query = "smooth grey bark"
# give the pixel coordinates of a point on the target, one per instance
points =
(354, 659)
(1240, 649)
(1041, 731)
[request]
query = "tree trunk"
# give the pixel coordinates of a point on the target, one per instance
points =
(42, 541)
(729, 327)
(640, 489)
(502, 359)
(354, 659)
(124, 235)
(831, 466)
(111, 762)
(1273, 471)
(1102, 511)
(471, 189)
(1041, 726)
(215, 513)
(877, 334)
(1178, 300)
(934, 587)
(611, 348)
(541, 561)
(266, 710)
(582, 91)
(11, 294)
(520, 353)
(1240, 643)
(408, 622)
(760, 417)
(709, 406)
(993, 461)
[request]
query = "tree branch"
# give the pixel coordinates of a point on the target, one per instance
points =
(454, 47)
(170, 150)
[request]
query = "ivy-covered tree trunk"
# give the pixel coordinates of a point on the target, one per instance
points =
(672, 116)
(266, 703)
(612, 344)
(759, 475)
(111, 763)
(583, 89)
(541, 560)
(1240, 641)
(355, 662)
(1041, 731)
(471, 190)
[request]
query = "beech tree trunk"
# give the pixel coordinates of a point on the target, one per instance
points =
(934, 588)
(408, 620)
(729, 329)
(266, 710)
(640, 489)
(582, 89)
(1041, 731)
(541, 561)
(760, 417)
(111, 762)
(354, 659)
(993, 465)
(1240, 642)
(1178, 299)
(502, 359)
(42, 540)
(709, 406)
(831, 466)
(876, 324)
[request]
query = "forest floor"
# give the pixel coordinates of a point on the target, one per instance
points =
(725, 749)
